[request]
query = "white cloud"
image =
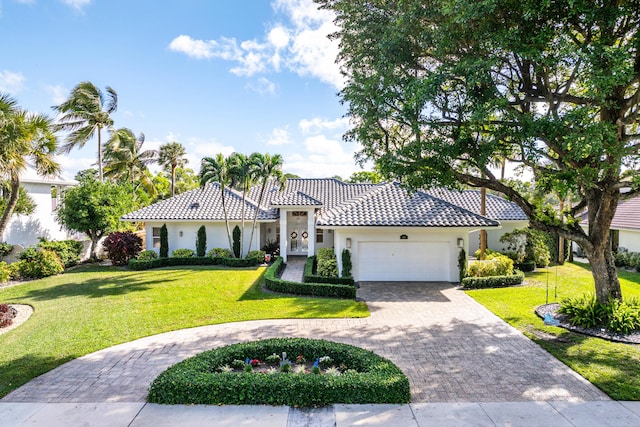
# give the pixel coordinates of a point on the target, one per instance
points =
(58, 93)
(301, 45)
(72, 165)
(323, 157)
(77, 4)
(279, 136)
(11, 82)
(263, 86)
(317, 125)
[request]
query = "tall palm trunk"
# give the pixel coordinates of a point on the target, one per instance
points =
(100, 153)
(173, 179)
(255, 217)
(483, 212)
(226, 217)
(11, 205)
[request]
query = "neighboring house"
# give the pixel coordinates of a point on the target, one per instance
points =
(392, 235)
(25, 230)
(625, 227)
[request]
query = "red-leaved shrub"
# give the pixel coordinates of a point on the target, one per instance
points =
(121, 246)
(6, 315)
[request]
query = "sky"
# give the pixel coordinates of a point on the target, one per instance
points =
(217, 76)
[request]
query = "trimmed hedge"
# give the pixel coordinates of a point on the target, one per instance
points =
(526, 266)
(274, 283)
(369, 378)
(309, 277)
(138, 265)
(492, 281)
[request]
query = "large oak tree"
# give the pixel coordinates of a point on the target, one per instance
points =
(440, 91)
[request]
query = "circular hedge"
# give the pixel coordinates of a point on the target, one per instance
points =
(366, 377)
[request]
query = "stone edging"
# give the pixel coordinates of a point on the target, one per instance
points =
(24, 312)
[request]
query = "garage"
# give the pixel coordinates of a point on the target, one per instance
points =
(403, 261)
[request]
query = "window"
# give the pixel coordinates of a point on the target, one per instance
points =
(156, 237)
(319, 235)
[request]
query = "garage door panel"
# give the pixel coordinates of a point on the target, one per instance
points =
(403, 261)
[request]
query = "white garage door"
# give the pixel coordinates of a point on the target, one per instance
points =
(403, 261)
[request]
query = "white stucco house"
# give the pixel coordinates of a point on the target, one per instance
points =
(46, 193)
(625, 227)
(391, 234)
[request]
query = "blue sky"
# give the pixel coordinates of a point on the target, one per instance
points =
(214, 75)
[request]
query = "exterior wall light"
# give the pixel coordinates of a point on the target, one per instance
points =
(349, 242)
(460, 242)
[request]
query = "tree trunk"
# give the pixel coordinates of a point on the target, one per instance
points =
(11, 205)
(255, 216)
(561, 254)
(100, 154)
(483, 212)
(604, 273)
(173, 180)
(94, 245)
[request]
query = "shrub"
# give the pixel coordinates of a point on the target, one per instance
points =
(462, 264)
(495, 264)
(5, 272)
(121, 246)
(7, 314)
(5, 249)
(176, 261)
(237, 234)
(346, 263)
(526, 266)
(487, 252)
(274, 283)
(14, 269)
(164, 241)
(309, 277)
(69, 251)
(256, 255)
(616, 316)
(492, 281)
(220, 253)
(271, 247)
(529, 245)
(201, 241)
(147, 254)
(370, 378)
(182, 253)
(327, 263)
(37, 264)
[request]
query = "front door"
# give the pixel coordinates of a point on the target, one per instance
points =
(297, 233)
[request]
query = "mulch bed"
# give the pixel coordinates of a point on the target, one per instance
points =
(541, 311)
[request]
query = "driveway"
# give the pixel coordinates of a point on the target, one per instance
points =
(451, 348)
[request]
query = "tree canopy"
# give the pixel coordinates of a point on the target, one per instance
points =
(440, 92)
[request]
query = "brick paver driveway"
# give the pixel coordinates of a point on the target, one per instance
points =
(451, 348)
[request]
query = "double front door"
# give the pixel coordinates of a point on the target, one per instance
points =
(297, 233)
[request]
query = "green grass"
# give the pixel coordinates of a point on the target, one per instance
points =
(613, 367)
(91, 307)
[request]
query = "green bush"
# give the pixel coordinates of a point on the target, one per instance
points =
(274, 283)
(309, 277)
(529, 245)
(462, 264)
(494, 264)
(5, 249)
(257, 255)
(201, 241)
(182, 253)
(39, 263)
(492, 281)
(347, 265)
(147, 254)
(164, 241)
(369, 378)
(176, 261)
(69, 251)
(14, 269)
(526, 266)
(5, 272)
(327, 264)
(220, 253)
(616, 316)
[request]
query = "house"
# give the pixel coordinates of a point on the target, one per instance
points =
(46, 192)
(625, 227)
(391, 234)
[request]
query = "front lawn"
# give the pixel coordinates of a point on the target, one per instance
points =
(613, 367)
(91, 308)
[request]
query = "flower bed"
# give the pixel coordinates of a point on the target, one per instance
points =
(319, 373)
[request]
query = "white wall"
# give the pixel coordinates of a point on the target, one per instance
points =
(494, 235)
(630, 240)
(392, 234)
(183, 235)
(26, 229)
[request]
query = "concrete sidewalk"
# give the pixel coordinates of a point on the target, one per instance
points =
(138, 414)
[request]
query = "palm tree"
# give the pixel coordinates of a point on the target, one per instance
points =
(216, 169)
(125, 160)
(23, 136)
(265, 168)
(241, 173)
(86, 112)
(172, 154)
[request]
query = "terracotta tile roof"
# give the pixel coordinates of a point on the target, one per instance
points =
(389, 205)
